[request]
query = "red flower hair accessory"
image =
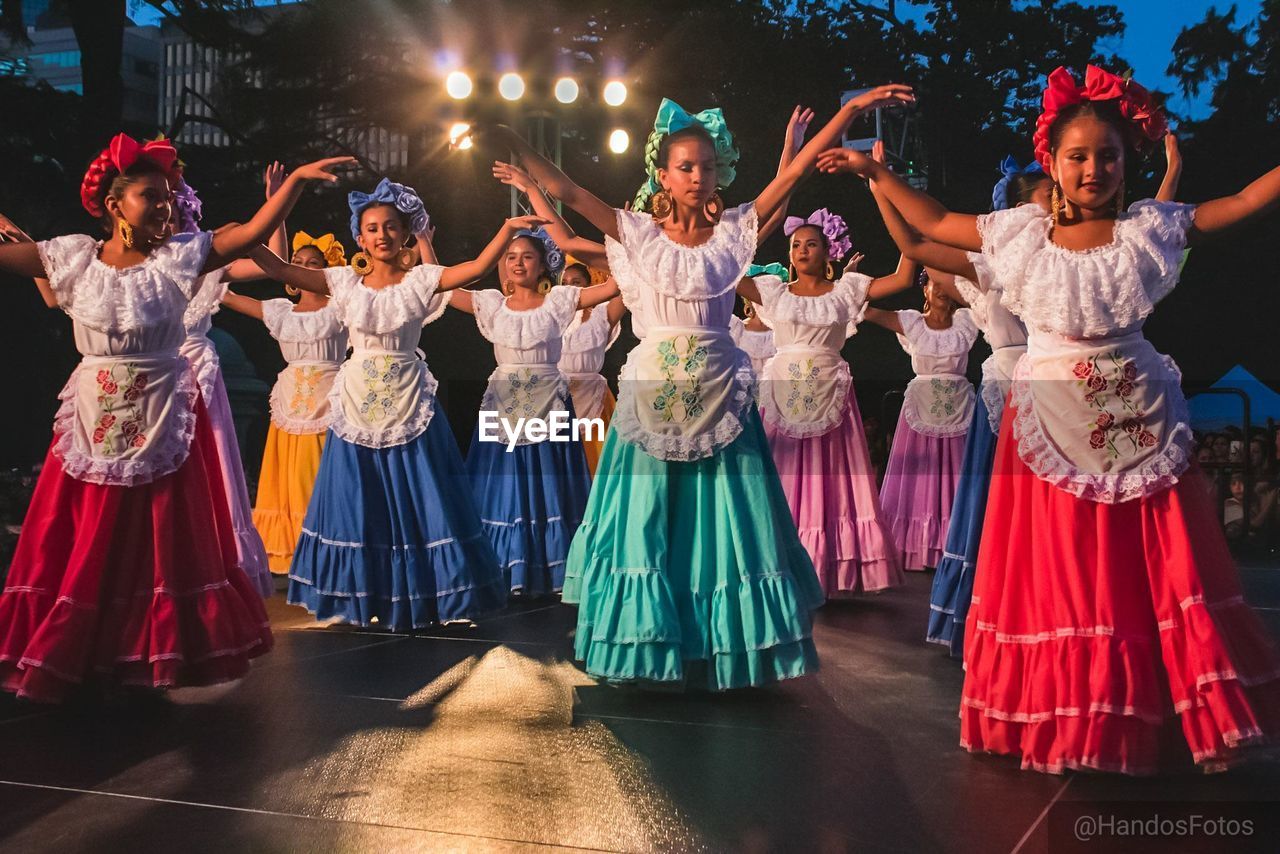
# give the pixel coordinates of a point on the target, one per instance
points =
(1145, 119)
(121, 154)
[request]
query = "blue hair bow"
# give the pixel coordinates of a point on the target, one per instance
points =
(1010, 170)
(388, 192)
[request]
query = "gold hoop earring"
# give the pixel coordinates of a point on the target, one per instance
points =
(1120, 198)
(506, 288)
(292, 291)
(660, 205)
(126, 234)
(748, 310)
(1055, 203)
(362, 264)
(831, 272)
(544, 285)
(713, 208)
(406, 259)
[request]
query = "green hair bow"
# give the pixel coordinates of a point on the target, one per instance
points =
(772, 269)
(672, 118)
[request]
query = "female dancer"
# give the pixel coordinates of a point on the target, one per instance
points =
(1109, 594)
(810, 415)
(203, 356)
(126, 569)
(687, 568)
(586, 340)
(391, 536)
(752, 335)
(928, 445)
(313, 342)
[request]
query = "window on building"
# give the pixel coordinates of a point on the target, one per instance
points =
(59, 59)
(11, 67)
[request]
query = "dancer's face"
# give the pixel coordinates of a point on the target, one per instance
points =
(809, 251)
(382, 232)
(690, 172)
(1089, 162)
(522, 265)
(309, 257)
(576, 278)
(145, 202)
(936, 297)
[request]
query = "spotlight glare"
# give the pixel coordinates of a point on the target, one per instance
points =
(566, 90)
(615, 92)
(458, 85)
(511, 86)
(619, 141)
(460, 136)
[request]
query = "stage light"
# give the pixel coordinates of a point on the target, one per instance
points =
(458, 85)
(615, 92)
(566, 90)
(511, 86)
(460, 136)
(619, 141)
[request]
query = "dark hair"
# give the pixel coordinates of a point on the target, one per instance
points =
(116, 183)
(313, 248)
(664, 147)
(1103, 111)
(400, 215)
(1022, 187)
(580, 267)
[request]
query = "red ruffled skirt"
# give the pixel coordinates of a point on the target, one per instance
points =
(1094, 625)
(129, 585)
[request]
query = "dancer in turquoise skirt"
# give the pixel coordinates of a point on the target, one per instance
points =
(687, 568)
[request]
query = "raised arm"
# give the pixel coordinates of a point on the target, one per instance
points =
(237, 241)
(1257, 199)
(557, 183)
(887, 319)
(615, 310)
(1172, 171)
(469, 271)
(589, 251)
(771, 198)
(245, 269)
(792, 140)
(747, 289)
(281, 270)
(594, 295)
(426, 246)
(243, 304)
(22, 259)
(10, 233)
(899, 280)
(920, 211)
(461, 300)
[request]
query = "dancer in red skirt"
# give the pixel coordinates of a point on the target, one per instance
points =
(126, 568)
(1109, 601)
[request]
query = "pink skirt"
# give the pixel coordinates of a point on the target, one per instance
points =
(919, 486)
(830, 486)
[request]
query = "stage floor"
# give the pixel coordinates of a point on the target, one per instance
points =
(490, 740)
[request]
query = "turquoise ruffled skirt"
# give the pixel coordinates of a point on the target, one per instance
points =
(692, 573)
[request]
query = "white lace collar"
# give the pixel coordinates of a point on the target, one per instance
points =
(643, 255)
(844, 304)
(594, 333)
(291, 326)
(525, 329)
(919, 338)
(412, 300)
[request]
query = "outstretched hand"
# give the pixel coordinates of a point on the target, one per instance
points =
(797, 127)
(512, 176)
(854, 262)
(531, 222)
(9, 231)
(836, 160)
(273, 178)
(322, 170)
(877, 151)
(889, 95)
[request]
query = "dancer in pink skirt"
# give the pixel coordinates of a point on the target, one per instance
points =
(811, 414)
(928, 446)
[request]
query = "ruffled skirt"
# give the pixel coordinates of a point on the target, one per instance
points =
(953, 582)
(249, 547)
(531, 500)
(691, 573)
(1091, 622)
(830, 486)
(290, 463)
(135, 585)
(593, 446)
(393, 536)
(918, 490)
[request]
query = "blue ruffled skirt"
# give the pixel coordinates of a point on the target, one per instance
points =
(531, 501)
(953, 581)
(392, 534)
(692, 573)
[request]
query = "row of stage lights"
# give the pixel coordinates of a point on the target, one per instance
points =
(511, 86)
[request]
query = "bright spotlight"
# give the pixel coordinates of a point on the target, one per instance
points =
(458, 85)
(615, 92)
(619, 141)
(566, 90)
(460, 136)
(511, 86)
